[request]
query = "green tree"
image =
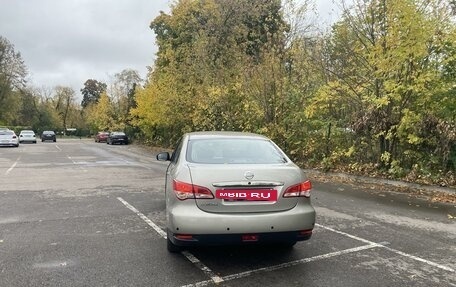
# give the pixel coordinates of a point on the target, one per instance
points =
(92, 91)
(208, 50)
(12, 80)
(385, 71)
(64, 104)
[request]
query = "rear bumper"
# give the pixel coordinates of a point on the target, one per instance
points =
(238, 239)
(9, 144)
(214, 228)
(114, 141)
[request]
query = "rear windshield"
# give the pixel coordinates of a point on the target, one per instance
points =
(235, 151)
(6, 133)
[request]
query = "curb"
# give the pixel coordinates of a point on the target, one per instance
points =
(373, 180)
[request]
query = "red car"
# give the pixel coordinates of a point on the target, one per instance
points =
(101, 137)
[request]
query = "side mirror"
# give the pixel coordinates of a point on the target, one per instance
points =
(163, 156)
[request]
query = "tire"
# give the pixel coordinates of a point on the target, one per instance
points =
(172, 248)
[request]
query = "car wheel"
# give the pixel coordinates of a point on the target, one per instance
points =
(34, 142)
(172, 248)
(55, 140)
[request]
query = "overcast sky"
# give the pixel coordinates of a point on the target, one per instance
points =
(66, 42)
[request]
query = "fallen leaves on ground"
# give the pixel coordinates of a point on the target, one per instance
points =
(431, 195)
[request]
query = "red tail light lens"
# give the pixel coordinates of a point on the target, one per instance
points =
(184, 236)
(249, 237)
(299, 190)
(185, 191)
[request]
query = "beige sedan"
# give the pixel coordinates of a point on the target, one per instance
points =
(234, 188)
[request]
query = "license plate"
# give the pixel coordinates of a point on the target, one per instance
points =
(247, 194)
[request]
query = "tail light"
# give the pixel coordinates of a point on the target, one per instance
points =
(306, 232)
(299, 190)
(187, 237)
(250, 237)
(185, 191)
(14, 137)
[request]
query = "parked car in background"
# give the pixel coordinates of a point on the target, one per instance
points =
(8, 138)
(101, 137)
(117, 137)
(234, 188)
(27, 136)
(48, 136)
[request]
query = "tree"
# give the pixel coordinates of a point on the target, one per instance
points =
(12, 80)
(385, 79)
(100, 115)
(92, 91)
(64, 104)
(208, 52)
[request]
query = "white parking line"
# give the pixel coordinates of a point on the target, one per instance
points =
(214, 278)
(443, 267)
(13, 166)
(217, 279)
(143, 217)
(285, 265)
(69, 157)
(58, 147)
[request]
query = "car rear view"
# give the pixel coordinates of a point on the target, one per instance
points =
(101, 137)
(48, 136)
(8, 138)
(235, 188)
(117, 138)
(27, 136)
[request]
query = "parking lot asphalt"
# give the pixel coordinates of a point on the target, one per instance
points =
(80, 213)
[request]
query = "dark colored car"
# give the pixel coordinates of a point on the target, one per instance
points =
(48, 136)
(117, 137)
(101, 137)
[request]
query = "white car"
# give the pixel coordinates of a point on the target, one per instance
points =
(8, 138)
(27, 136)
(234, 188)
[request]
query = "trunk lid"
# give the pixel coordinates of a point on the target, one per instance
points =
(243, 188)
